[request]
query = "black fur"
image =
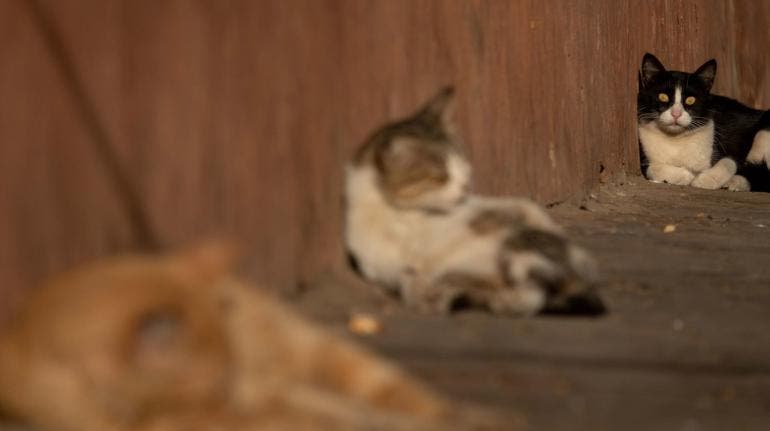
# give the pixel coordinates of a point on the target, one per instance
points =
(735, 124)
(353, 263)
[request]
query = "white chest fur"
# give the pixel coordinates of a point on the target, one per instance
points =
(388, 241)
(689, 150)
(375, 232)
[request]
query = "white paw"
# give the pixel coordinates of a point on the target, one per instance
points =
(680, 177)
(520, 302)
(708, 180)
(760, 148)
(738, 183)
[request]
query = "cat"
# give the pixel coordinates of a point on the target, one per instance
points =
(113, 341)
(413, 228)
(691, 137)
(173, 343)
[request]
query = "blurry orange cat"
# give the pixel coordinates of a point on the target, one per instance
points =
(175, 343)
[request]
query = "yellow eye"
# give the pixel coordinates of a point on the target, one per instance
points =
(690, 100)
(663, 97)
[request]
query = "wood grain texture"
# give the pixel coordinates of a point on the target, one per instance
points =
(236, 117)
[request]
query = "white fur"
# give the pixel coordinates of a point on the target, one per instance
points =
(408, 249)
(387, 240)
(583, 263)
(522, 301)
(738, 183)
(375, 231)
(676, 158)
(760, 149)
(521, 263)
(658, 173)
(716, 176)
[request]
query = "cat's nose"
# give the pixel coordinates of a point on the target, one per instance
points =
(676, 113)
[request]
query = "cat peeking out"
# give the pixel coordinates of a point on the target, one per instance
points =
(691, 137)
(413, 228)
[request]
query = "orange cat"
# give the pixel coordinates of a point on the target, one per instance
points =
(174, 343)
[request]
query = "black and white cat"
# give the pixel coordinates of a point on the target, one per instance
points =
(413, 228)
(691, 137)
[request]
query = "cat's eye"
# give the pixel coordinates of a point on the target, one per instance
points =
(663, 97)
(689, 101)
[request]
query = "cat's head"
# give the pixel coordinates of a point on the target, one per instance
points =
(419, 161)
(676, 102)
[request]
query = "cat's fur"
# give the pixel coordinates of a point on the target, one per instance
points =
(715, 142)
(412, 227)
(148, 343)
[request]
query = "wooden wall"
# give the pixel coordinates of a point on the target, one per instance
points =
(237, 116)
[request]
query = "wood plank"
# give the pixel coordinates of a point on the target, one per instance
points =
(237, 116)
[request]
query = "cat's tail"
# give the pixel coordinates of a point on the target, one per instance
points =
(565, 275)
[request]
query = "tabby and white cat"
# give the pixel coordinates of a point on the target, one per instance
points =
(174, 343)
(412, 227)
(691, 137)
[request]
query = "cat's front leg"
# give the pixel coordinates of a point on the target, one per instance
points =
(760, 149)
(660, 173)
(716, 176)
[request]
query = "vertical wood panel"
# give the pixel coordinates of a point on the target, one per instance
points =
(55, 209)
(237, 116)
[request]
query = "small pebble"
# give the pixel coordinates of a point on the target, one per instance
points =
(364, 324)
(691, 425)
(728, 394)
(677, 325)
(669, 228)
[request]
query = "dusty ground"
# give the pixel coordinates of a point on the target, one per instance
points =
(686, 345)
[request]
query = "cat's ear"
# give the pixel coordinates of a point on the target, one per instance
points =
(442, 107)
(707, 72)
(651, 66)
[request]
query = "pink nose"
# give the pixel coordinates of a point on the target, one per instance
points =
(676, 113)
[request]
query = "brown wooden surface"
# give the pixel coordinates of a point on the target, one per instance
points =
(237, 116)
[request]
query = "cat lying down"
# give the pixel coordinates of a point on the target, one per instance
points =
(412, 227)
(174, 343)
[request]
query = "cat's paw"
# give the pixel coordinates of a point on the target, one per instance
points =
(670, 174)
(760, 149)
(517, 302)
(708, 180)
(680, 178)
(738, 183)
